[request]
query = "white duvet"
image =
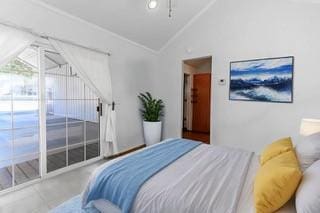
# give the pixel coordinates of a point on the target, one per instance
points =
(209, 179)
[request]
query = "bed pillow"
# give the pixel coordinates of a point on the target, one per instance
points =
(276, 182)
(308, 193)
(308, 150)
(276, 148)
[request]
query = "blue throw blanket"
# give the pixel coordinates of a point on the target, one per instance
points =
(120, 182)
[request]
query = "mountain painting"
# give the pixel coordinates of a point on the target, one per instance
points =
(268, 80)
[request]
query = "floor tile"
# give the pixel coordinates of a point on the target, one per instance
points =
(26, 205)
(43, 209)
(49, 193)
(16, 196)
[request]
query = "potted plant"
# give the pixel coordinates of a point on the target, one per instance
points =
(152, 110)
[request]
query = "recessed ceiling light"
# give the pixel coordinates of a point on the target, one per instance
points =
(152, 4)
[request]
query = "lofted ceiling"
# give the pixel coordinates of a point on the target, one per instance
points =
(132, 19)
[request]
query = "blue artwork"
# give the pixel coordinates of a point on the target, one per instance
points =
(269, 80)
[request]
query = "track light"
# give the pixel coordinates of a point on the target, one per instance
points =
(152, 4)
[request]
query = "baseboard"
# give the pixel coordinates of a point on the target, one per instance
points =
(126, 152)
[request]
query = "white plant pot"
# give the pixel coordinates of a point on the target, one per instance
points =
(152, 132)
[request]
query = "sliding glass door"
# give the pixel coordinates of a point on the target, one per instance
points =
(72, 118)
(19, 120)
(69, 133)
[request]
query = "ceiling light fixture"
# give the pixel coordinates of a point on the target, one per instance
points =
(170, 8)
(152, 4)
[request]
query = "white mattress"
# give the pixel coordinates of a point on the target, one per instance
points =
(153, 191)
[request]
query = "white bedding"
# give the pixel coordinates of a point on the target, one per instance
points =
(197, 182)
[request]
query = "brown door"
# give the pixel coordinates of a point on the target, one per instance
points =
(201, 94)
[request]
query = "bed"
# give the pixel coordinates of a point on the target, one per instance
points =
(206, 179)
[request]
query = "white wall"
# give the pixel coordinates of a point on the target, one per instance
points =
(131, 65)
(247, 29)
(205, 68)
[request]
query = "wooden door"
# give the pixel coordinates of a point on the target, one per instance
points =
(201, 95)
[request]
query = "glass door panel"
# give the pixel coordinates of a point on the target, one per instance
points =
(19, 120)
(25, 85)
(5, 114)
(92, 129)
(5, 174)
(56, 120)
(56, 146)
(5, 84)
(6, 145)
(75, 142)
(75, 133)
(26, 169)
(26, 142)
(25, 113)
(72, 120)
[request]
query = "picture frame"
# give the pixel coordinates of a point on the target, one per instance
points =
(262, 80)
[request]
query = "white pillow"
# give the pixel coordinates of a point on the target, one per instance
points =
(308, 151)
(308, 193)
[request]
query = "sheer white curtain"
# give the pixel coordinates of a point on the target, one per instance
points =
(93, 68)
(12, 43)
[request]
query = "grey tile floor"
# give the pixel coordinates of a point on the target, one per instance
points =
(49, 193)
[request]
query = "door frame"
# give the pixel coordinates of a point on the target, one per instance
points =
(187, 109)
(182, 93)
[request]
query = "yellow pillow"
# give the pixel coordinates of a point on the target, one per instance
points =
(276, 148)
(276, 182)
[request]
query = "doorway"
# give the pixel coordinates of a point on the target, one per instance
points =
(197, 99)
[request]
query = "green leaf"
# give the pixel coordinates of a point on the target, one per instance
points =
(152, 109)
